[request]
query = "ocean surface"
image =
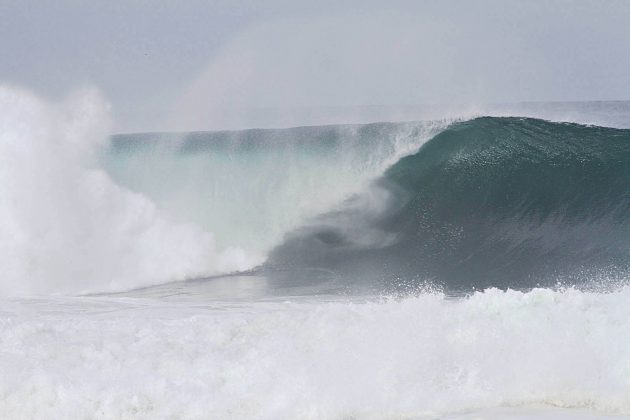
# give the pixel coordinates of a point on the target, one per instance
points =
(467, 266)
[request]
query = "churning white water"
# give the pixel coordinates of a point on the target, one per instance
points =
(313, 358)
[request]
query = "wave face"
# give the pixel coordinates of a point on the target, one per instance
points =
(507, 202)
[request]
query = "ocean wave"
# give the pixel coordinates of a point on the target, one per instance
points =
(506, 202)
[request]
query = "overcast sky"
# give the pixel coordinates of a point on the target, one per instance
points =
(184, 64)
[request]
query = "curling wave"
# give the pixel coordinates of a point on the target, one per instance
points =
(506, 202)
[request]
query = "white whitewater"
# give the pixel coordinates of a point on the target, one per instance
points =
(315, 358)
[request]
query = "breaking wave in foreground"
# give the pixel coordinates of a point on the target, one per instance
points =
(440, 269)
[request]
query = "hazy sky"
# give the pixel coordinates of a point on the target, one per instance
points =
(184, 64)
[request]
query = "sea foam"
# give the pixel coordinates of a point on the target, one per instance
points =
(421, 357)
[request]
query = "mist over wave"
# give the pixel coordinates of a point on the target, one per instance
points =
(65, 227)
(251, 187)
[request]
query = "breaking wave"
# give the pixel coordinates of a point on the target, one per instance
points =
(489, 202)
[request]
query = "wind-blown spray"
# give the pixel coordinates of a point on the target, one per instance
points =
(65, 226)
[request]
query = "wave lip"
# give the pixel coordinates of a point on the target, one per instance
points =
(507, 202)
